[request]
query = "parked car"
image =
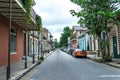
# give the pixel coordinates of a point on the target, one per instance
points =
(70, 51)
(79, 53)
(64, 49)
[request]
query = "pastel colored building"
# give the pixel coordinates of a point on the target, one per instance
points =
(84, 41)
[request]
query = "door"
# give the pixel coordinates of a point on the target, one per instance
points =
(24, 43)
(115, 52)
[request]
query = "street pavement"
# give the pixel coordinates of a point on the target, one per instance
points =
(62, 66)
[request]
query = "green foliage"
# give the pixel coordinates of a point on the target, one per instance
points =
(41, 58)
(44, 37)
(67, 32)
(95, 15)
(107, 58)
(99, 60)
(38, 23)
(117, 17)
(27, 5)
(107, 43)
(56, 43)
(118, 12)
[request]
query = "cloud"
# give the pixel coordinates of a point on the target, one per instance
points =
(55, 14)
(57, 36)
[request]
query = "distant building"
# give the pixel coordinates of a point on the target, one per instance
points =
(77, 31)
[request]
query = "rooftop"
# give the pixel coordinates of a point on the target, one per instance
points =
(76, 28)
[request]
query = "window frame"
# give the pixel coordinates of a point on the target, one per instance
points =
(14, 33)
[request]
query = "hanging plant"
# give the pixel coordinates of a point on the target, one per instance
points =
(27, 4)
(38, 23)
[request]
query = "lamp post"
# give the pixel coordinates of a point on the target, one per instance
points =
(9, 38)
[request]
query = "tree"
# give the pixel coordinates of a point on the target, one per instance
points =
(95, 15)
(38, 23)
(27, 4)
(67, 32)
(56, 43)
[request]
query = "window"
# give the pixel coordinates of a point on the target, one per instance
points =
(13, 41)
(30, 46)
(36, 46)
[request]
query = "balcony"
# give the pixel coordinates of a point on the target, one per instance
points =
(18, 12)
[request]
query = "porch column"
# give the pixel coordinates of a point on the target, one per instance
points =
(9, 29)
(33, 49)
(38, 47)
(25, 48)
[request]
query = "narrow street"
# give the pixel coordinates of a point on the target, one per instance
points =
(61, 66)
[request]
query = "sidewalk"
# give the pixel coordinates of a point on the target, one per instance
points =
(114, 63)
(18, 70)
(21, 73)
(17, 75)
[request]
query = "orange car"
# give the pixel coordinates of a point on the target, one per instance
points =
(79, 53)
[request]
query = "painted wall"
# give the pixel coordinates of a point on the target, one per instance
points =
(4, 42)
(84, 42)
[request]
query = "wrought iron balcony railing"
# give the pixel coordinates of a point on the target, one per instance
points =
(32, 12)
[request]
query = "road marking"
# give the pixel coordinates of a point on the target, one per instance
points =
(31, 79)
(109, 76)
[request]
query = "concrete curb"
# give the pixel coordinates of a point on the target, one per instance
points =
(106, 63)
(112, 65)
(21, 74)
(25, 71)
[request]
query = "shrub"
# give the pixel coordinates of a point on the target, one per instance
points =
(99, 60)
(41, 58)
(107, 58)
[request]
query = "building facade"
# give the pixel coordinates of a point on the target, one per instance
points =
(18, 34)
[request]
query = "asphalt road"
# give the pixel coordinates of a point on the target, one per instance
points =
(61, 66)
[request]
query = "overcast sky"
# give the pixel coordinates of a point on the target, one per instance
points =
(55, 15)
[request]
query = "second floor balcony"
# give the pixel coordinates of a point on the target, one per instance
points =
(18, 12)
